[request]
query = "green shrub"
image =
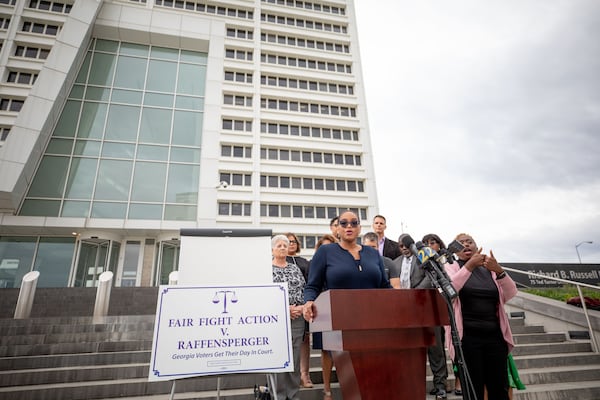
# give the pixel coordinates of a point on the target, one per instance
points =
(564, 293)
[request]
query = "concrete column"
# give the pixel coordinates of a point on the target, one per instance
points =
(26, 295)
(102, 296)
(173, 278)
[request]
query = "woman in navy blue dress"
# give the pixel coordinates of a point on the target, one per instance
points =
(344, 265)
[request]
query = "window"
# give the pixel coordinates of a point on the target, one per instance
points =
(39, 28)
(234, 209)
(306, 131)
(14, 105)
(22, 78)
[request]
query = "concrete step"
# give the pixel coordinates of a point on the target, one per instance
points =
(53, 329)
(72, 360)
(73, 348)
(539, 338)
(552, 348)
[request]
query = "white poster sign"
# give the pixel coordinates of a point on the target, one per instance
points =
(221, 330)
(225, 256)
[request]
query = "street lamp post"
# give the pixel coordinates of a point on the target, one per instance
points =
(577, 248)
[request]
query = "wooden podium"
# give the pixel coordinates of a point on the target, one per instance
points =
(378, 339)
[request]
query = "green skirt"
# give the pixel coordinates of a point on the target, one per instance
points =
(513, 375)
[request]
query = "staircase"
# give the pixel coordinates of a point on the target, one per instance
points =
(72, 358)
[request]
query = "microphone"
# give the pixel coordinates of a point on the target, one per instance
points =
(429, 260)
(408, 242)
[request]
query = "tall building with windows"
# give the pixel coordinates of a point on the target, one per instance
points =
(122, 122)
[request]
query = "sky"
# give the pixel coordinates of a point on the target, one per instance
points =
(485, 118)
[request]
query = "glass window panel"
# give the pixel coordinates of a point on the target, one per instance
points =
(148, 152)
(109, 46)
(164, 53)
(191, 79)
(148, 182)
(145, 211)
(53, 260)
(161, 76)
(97, 93)
(182, 185)
(76, 92)
(158, 99)
(80, 184)
(87, 148)
(113, 180)
(180, 213)
(102, 69)
(50, 177)
(40, 208)
(75, 209)
(60, 146)
(126, 96)
(183, 154)
(156, 125)
(93, 117)
(118, 150)
(190, 103)
(194, 57)
(67, 123)
(85, 67)
(20, 250)
(187, 128)
(108, 210)
(134, 49)
(122, 122)
(130, 73)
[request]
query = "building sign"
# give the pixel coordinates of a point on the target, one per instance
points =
(583, 273)
(221, 330)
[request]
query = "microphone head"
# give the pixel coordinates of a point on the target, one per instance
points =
(455, 247)
(419, 245)
(406, 240)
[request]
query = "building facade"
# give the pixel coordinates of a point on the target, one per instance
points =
(122, 122)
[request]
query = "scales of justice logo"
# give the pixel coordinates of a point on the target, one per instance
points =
(221, 296)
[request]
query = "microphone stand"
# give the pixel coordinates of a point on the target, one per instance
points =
(465, 379)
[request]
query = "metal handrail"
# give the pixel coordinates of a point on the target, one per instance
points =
(578, 285)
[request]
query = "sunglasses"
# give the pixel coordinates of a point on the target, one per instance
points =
(354, 223)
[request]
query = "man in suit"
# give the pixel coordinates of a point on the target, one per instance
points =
(408, 274)
(387, 247)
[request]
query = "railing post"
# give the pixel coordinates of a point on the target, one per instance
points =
(173, 278)
(26, 295)
(102, 296)
(587, 318)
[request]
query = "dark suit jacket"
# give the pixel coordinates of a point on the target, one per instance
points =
(391, 249)
(418, 277)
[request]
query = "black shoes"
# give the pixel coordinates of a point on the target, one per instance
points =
(440, 394)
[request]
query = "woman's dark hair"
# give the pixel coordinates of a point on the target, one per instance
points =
(435, 237)
(298, 247)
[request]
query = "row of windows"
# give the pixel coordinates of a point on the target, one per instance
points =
(313, 108)
(237, 100)
(31, 52)
(308, 131)
(36, 27)
(305, 211)
(51, 6)
(238, 54)
(230, 208)
(206, 8)
(237, 76)
(322, 26)
(306, 63)
(240, 33)
(310, 156)
(237, 125)
(236, 151)
(22, 78)
(8, 2)
(236, 179)
(11, 104)
(294, 182)
(308, 5)
(306, 85)
(4, 22)
(308, 43)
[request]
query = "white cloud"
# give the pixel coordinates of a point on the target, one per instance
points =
(485, 117)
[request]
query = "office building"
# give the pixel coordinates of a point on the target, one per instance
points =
(122, 122)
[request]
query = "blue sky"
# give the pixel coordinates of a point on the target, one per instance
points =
(485, 118)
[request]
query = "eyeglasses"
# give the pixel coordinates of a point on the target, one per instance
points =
(354, 223)
(293, 242)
